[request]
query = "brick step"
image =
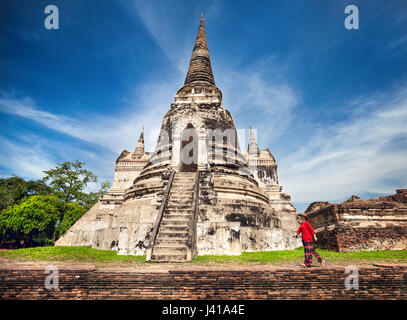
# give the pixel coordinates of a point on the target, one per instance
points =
(181, 193)
(170, 217)
(187, 187)
(182, 198)
(184, 183)
(170, 250)
(169, 258)
(172, 234)
(183, 214)
(179, 203)
(178, 199)
(183, 209)
(175, 222)
(174, 228)
(173, 215)
(176, 217)
(168, 241)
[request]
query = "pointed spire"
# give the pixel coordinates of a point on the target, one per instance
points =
(140, 144)
(252, 138)
(253, 147)
(141, 135)
(200, 70)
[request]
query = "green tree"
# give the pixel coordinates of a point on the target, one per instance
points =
(15, 189)
(92, 197)
(72, 213)
(36, 214)
(69, 180)
(31, 222)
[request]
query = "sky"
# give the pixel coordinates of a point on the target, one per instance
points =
(330, 103)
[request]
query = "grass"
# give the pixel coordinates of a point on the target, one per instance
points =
(298, 255)
(68, 254)
(87, 254)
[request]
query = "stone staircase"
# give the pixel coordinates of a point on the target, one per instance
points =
(172, 238)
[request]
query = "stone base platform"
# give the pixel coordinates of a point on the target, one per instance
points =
(375, 282)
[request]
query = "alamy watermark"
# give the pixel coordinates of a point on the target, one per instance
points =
(52, 280)
(352, 280)
(52, 20)
(352, 20)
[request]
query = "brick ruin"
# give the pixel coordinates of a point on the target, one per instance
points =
(361, 225)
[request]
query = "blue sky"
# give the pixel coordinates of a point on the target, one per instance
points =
(330, 103)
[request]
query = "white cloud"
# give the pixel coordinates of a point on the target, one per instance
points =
(113, 132)
(367, 153)
(253, 98)
(107, 134)
(26, 161)
(396, 44)
(155, 19)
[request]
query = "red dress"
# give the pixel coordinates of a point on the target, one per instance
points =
(306, 231)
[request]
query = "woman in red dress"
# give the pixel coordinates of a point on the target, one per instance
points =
(307, 232)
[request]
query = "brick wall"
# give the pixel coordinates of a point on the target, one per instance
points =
(326, 283)
(400, 196)
(375, 224)
(346, 238)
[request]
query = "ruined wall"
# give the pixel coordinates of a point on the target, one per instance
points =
(376, 224)
(346, 238)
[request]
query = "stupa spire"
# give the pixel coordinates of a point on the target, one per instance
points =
(200, 70)
(253, 147)
(140, 144)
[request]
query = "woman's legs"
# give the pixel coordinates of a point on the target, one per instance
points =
(308, 252)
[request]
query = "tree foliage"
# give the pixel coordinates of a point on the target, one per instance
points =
(15, 189)
(72, 213)
(33, 213)
(31, 222)
(69, 180)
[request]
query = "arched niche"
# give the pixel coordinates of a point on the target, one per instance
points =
(189, 149)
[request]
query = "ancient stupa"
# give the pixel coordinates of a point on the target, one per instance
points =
(197, 193)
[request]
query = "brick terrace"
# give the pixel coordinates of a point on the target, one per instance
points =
(375, 282)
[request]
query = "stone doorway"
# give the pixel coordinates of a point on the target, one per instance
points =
(189, 149)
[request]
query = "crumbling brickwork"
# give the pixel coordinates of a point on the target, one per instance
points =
(289, 284)
(375, 224)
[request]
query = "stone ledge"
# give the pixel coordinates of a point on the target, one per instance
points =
(376, 282)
